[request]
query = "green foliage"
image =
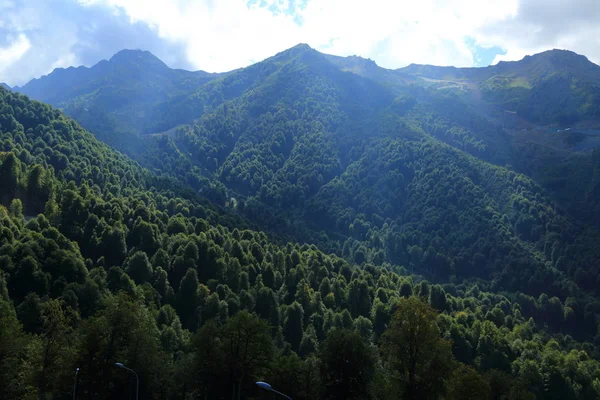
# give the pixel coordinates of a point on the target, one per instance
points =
(115, 99)
(347, 366)
(432, 273)
(419, 358)
(293, 154)
(466, 383)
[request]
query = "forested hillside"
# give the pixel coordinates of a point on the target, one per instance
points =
(115, 98)
(100, 266)
(553, 86)
(302, 149)
(548, 104)
(464, 107)
(336, 230)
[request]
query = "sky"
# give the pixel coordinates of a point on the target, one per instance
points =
(37, 36)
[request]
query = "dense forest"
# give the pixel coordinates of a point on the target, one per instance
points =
(115, 97)
(312, 229)
(297, 156)
(506, 114)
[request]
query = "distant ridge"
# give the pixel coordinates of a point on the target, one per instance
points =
(114, 97)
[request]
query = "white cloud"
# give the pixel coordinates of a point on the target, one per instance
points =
(12, 53)
(61, 33)
(401, 32)
(542, 25)
(227, 34)
(220, 35)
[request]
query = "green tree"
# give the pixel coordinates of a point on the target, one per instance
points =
(187, 299)
(298, 378)
(293, 328)
(359, 298)
(53, 349)
(347, 365)
(144, 237)
(210, 370)
(420, 359)
(267, 306)
(309, 344)
(465, 383)
(10, 176)
(38, 189)
(114, 245)
(139, 268)
(124, 331)
(16, 209)
(364, 327)
(13, 344)
(247, 349)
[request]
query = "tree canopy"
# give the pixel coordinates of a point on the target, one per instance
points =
(304, 240)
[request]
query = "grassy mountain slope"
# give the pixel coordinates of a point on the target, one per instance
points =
(555, 86)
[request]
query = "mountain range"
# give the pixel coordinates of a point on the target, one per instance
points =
(545, 106)
(134, 93)
(311, 145)
(482, 181)
(115, 97)
(137, 78)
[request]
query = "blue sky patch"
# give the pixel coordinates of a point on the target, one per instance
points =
(483, 56)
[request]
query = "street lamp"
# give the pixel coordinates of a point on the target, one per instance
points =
(268, 387)
(75, 383)
(137, 378)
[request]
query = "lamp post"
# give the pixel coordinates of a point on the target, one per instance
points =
(75, 383)
(268, 387)
(137, 378)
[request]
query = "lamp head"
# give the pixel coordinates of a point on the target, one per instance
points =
(264, 385)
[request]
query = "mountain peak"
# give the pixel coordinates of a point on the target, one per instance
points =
(302, 51)
(557, 57)
(560, 53)
(554, 61)
(137, 56)
(355, 64)
(4, 85)
(297, 49)
(302, 46)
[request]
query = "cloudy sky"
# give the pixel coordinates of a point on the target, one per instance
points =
(37, 36)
